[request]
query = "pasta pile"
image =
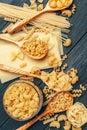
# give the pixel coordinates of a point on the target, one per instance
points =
(57, 82)
(35, 47)
(77, 114)
(21, 101)
(66, 102)
(58, 3)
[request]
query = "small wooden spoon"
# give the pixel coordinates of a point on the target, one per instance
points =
(24, 49)
(16, 27)
(59, 103)
(13, 70)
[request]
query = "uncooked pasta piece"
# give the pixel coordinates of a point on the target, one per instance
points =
(77, 114)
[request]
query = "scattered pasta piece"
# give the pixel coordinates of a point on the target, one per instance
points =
(73, 75)
(74, 128)
(77, 95)
(72, 72)
(47, 117)
(35, 70)
(33, 6)
(73, 9)
(64, 67)
(55, 117)
(40, 1)
(14, 56)
(32, 1)
(67, 125)
(48, 120)
(67, 13)
(25, 5)
(10, 19)
(22, 65)
(40, 7)
(64, 58)
(20, 55)
(67, 42)
(55, 124)
(77, 91)
(83, 88)
(62, 118)
(17, 55)
(74, 80)
(53, 61)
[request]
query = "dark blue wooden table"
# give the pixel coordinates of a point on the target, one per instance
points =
(77, 58)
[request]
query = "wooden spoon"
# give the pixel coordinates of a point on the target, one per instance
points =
(7, 68)
(47, 8)
(59, 103)
(23, 45)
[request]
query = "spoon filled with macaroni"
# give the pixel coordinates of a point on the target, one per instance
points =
(35, 49)
(52, 5)
(60, 102)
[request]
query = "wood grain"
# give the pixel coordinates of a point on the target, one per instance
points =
(77, 58)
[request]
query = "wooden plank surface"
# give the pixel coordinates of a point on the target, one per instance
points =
(78, 21)
(77, 58)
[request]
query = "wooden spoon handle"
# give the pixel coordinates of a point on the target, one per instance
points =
(29, 124)
(4, 38)
(17, 71)
(17, 26)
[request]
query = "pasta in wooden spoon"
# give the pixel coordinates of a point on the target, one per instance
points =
(52, 5)
(35, 49)
(59, 103)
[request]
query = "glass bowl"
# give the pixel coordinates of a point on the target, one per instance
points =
(22, 100)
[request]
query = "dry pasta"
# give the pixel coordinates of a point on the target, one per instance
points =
(77, 114)
(11, 11)
(74, 128)
(73, 9)
(55, 124)
(21, 100)
(62, 118)
(66, 102)
(22, 65)
(67, 125)
(77, 95)
(58, 3)
(48, 120)
(77, 90)
(83, 88)
(67, 13)
(17, 55)
(64, 58)
(67, 42)
(57, 81)
(40, 1)
(64, 67)
(40, 7)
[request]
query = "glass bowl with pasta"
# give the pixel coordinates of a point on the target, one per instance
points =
(22, 100)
